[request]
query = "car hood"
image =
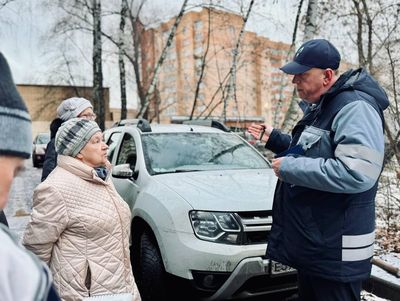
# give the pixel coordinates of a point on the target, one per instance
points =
(230, 190)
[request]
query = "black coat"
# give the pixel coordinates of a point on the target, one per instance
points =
(50, 157)
(3, 218)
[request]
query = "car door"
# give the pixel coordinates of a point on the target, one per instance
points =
(127, 154)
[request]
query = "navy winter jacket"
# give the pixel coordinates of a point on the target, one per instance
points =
(50, 156)
(324, 207)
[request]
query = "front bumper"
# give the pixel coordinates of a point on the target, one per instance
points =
(252, 278)
(244, 270)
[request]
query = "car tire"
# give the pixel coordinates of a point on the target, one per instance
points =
(152, 276)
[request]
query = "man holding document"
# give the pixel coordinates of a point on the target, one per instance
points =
(328, 170)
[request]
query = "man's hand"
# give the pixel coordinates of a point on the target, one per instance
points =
(260, 131)
(276, 165)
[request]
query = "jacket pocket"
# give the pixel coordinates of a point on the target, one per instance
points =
(88, 278)
(316, 142)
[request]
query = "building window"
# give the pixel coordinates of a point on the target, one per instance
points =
(184, 30)
(198, 63)
(232, 30)
(198, 25)
(198, 36)
(198, 50)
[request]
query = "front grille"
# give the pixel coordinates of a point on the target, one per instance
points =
(256, 226)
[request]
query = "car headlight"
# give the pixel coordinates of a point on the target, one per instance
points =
(220, 227)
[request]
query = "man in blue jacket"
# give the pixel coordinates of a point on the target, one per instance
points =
(328, 170)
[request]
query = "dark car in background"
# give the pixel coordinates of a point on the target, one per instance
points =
(39, 148)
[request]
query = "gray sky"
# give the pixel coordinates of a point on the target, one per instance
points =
(24, 24)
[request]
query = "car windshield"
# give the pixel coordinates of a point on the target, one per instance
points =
(43, 139)
(185, 152)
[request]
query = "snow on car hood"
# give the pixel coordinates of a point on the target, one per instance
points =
(227, 190)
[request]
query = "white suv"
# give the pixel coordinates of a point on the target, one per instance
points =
(201, 201)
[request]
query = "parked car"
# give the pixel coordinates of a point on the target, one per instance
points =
(201, 201)
(39, 148)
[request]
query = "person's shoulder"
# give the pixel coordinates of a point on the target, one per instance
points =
(56, 179)
(9, 246)
(17, 263)
(6, 239)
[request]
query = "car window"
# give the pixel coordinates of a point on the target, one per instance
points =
(112, 144)
(42, 138)
(180, 152)
(127, 152)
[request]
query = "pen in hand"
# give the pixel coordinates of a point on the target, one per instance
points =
(262, 132)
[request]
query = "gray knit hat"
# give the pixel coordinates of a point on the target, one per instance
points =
(72, 107)
(73, 135)
(15, 122)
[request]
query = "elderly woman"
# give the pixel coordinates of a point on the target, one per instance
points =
(70, 108)
(79, 224)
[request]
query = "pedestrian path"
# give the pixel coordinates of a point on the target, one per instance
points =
(19, 204)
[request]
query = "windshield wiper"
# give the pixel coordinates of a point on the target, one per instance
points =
(187, 170)
(225, 151)
(177, 171)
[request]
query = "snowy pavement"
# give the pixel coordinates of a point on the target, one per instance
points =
(20, 205)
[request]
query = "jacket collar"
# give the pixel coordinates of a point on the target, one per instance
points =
(79, 169)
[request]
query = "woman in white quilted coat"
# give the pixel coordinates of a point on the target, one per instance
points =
(79, 224)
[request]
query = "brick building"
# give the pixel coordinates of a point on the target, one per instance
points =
(42, 102)
(262, 90)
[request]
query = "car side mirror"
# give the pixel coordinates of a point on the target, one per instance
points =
(122, 171)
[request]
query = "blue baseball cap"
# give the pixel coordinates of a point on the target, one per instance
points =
(318, 53)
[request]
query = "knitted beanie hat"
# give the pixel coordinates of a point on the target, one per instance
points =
(15, 122)
(72, 107)
(73, 135)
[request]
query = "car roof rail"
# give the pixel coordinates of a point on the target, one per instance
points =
(123, 122)
(208, 122)
(144, 126)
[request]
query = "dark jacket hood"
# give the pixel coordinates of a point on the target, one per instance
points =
(360, 80)
(54, 125)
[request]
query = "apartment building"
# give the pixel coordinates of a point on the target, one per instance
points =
(199, 62)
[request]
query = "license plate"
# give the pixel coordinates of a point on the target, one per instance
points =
(278, 268)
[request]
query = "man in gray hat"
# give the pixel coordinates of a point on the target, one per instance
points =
(328, 170)
(23, 276)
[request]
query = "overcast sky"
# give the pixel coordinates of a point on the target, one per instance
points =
(25, 23)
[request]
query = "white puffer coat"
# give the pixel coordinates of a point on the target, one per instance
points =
(80, 227)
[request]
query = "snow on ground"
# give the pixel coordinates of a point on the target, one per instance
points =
(388, 213)
(365, 296)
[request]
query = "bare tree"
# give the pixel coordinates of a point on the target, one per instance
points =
(98, 97)
(134, 57)
(311, 28)
(231, 93)
(146, 100)
(202, 67)
(121, 62)
(294, 111)
(83, 17)
(293, 102)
